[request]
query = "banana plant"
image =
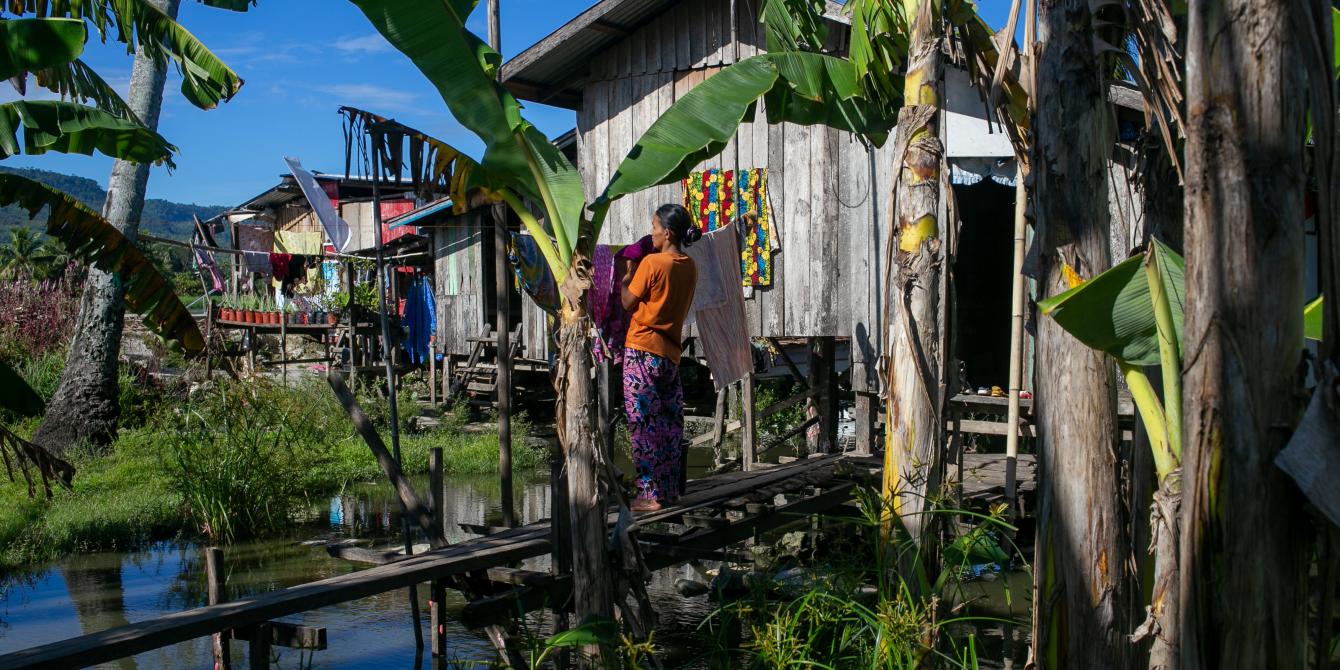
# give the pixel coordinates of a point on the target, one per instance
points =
(519, 164)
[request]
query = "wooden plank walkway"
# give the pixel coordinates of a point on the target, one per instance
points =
(743, 503)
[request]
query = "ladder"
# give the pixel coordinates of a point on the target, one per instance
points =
(477, 380)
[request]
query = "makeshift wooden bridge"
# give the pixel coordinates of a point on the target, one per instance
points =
(715, 513)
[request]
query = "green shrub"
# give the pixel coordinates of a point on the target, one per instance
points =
(242, 453)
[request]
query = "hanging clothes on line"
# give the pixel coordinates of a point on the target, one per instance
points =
(305, 244)
(532, 273)
(722, 328)
(710, 198)
(605, 298)
(209, 270)
(759, 241)
(256, 244)
(420, 321)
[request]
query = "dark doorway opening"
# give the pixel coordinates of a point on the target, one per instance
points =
(982, 269)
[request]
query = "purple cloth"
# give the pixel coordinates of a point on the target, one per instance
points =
(605, 299)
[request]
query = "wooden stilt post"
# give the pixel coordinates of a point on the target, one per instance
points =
(215, 578)
(382, 281)
(351, 313)
(748, 431)
(815, 405)
(718, 427)
(829, 410)
(562, 540)
(258, 657)
(503, 387)
(283, 348)
(437, 592)
(1016, 338)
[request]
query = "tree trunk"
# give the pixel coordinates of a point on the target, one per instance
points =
(912, 453)
(1244, 543)
(1083, 603)
(85, 405)
(593, 589)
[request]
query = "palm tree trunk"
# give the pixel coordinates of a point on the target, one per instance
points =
(593, 590)
(1083, 590)
(1244, 544)
(85, 403)
(912, 454)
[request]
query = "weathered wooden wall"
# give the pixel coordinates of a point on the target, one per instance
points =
(818, 181)
(458, 272)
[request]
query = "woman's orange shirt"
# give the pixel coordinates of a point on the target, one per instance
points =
(664, 285)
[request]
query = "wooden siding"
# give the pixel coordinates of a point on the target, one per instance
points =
(634, 81)
(458, 272)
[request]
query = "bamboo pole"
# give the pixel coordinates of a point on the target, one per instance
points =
(1016, 336)
(382, 281)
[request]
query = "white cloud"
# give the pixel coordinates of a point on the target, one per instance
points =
(371, 96)
(367, 44)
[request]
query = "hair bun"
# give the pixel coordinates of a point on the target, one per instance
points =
(693, 234)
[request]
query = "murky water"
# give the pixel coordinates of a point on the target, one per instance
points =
(93, 592)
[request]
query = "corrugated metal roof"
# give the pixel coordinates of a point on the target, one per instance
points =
(553, 70)
(427, 210)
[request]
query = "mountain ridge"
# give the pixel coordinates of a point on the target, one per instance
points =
(163, 218)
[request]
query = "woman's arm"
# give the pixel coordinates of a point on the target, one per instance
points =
(627, 297)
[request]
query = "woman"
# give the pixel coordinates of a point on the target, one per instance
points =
(658, 294)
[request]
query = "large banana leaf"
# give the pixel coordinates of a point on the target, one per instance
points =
(77, 81)
(67, 127)
(34, 44)
(1312, 324)
(696, 127)
(799, 87)
(794, 25)
(464, 70)
(91, 239)
(1114, 313)
(206, 80)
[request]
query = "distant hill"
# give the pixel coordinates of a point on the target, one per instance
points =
(163, 218)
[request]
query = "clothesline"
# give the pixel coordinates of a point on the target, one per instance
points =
(238, 252)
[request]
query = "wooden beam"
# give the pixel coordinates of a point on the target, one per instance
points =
(790, 364)
(610, 28)
(285, 634)
(216, 580)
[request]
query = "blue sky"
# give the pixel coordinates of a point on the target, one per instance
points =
(301, 60)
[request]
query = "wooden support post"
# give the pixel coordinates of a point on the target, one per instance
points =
(822, 437)
(216, 584)
(1017, 304)
(718, 428)
(437, 614)
(258, 657)
(605, 408)
(351, 313)
(748, 429)
(829, 410)
(561, 537)
(503, 385)
(283, 348)
(437, 498)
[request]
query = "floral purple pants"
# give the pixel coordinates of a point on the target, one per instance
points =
(654, 403)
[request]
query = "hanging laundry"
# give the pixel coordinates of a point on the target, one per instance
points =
(756, 252)
(279, 265)
(532, 273)
(710, 198)
(420, 321)
(722, 328)
(209, 270)
(307, 244)
(256, 244)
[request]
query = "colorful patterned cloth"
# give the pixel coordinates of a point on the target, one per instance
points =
(605, 299)
(654, 405)
(710, 198)
(756, 252)
(532, 273)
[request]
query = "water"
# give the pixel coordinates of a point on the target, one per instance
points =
(93, 592)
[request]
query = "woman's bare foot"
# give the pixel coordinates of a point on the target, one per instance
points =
(645, 505)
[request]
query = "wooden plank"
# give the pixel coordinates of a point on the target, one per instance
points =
(697, 33)
(728, 32)
(836, 320)
(646, 37)
(668, 24)
(773, 307)
(818, 275)
(711, 18)
(625, 62)
(683, 36)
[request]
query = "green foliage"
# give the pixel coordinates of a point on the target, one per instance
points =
(1312, 323)
(91, 239)
(33, 44)
(236, 460)
(68, 127)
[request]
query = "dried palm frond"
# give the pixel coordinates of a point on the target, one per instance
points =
(978, 52)
(435, 167)
(32, 462)
(1158, 71)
